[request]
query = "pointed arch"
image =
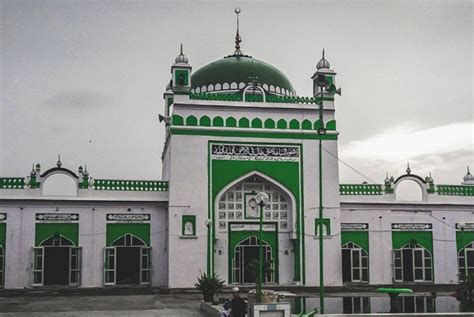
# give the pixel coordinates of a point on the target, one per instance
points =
(217, 122)
(294, 124)
(128, 239)
(281, 124)
(256, 123)
(57, 240)
(230, 122)
(205, 121)
(269, 124)
(244, 123)
(191, 120)
(306, 125)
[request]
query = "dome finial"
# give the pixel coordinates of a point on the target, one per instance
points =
(468, 179)
(408, 168)
(238, 39)
(181, 58)
(323, 63)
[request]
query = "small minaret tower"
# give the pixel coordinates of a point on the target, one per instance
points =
(181, 74)
(325, 78)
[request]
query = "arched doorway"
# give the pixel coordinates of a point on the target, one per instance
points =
(355, 263)
(245, 261)
(412, 263)
(127, 261)
(237, 220)
(56, 261)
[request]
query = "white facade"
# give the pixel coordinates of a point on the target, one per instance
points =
(221, 149)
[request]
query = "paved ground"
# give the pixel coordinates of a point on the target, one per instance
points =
(122, 305)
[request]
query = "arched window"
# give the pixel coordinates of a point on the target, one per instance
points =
(466, 259)
(57, 241)
(128, 240)
(238, 204)
(355, 263)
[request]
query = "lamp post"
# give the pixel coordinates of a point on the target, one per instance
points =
(262, 199)
(322, 83)
(462, 226)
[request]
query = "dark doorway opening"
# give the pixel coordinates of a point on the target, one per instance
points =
(407, 265)
(128, 265)
(250, 255)
(56, 266)
(346, 265)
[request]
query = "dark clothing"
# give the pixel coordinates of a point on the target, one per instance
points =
(238, 307)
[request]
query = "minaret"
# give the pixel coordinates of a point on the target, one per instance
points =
(326, 77)
(181, 74)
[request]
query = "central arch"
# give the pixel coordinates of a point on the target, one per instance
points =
(237, 221)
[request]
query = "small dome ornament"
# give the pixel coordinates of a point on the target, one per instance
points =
(387, 180)
(429, 179)
(59, 163)
(468, 178)
(181, 58)
(323, 63)
(408, 170)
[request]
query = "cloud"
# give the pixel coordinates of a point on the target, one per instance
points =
(406, 143)
(79, 99)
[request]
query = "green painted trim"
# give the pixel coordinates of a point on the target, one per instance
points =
(331, 125)
(184, 220)
(361, 238)
(205, 121)
(191, 121)
(423, 238)
(255, 123)
(463, 239)
(269, 98)
(231, 122)
(217, 122)
(360, 189)
(326, 223)
(116, 230)
(44, 231)
(253, 134)
(130, 185)
(269, 124)
(177, 120)
(3, 234)
(455, 190)
(244, 123)
(12, 183)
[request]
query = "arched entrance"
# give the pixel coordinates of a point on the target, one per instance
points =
(237, 220)
(127, 261)
(412, 263)
(56, 261)
(245, 261)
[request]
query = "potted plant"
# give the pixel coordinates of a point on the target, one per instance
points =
(209, 285)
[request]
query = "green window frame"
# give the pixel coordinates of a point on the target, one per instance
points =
(326, 224)
(188, 219)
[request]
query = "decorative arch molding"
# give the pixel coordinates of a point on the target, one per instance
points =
(414, 178)
(59, 173)
(244, 122)
(128, 240)
(56, 240)
(265, 178)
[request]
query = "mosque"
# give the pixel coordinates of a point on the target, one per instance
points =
(234, 128)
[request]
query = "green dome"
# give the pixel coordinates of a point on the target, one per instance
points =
(234, 72)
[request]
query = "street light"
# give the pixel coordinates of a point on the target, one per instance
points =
(322, 83)
(462, 226)
(262, 199)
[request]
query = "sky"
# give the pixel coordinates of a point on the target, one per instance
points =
(85, 79)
